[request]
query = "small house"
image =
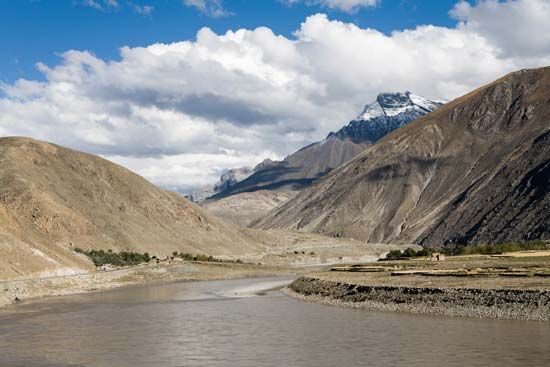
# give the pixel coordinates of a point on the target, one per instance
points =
(437, 256)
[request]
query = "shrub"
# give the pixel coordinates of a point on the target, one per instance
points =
(393, 255)
(205, 258)
(125, 258)
(424, 252)
(409, 252)
(486, 249)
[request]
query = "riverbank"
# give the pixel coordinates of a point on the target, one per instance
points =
(481, 286)
(24, 290)
(482, 303)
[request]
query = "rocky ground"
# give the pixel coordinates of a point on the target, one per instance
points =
(489, 287)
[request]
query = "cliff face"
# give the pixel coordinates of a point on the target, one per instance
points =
(475, 170)
(53, 199)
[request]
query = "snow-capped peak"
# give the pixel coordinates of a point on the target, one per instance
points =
(371, 111)
(393, 104)
(388, 112)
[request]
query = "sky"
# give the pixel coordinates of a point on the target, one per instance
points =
(181, 90)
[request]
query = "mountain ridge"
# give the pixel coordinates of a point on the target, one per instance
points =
(435, 180)
(301, 168)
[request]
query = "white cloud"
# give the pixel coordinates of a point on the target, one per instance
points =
(180, 113)
(102, 5)
(181, 172)
(145, 10)
(518, 28)
(110, 5)
(348, 6)
(212, 8)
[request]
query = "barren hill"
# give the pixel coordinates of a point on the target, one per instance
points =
(53, 199)
(246, 207)
(476, 170)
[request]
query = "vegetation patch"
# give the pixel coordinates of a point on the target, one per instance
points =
(101, 257)
(206, 258)
(409, 253)
(496, 249)
(482, 249)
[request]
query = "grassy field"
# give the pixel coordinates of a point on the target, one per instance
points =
(517, 270)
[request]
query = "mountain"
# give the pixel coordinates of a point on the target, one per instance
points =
(53, 199)
(243, 208)
(298, 170)
(476, 170)
(227, 180)
(389, 112)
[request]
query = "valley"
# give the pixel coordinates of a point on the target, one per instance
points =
(275, 183)
(472, 171)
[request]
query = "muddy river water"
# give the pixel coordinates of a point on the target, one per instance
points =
(250, 323)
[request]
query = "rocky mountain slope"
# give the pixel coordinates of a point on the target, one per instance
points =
(53, 199)
(273, 182)
(476, 170)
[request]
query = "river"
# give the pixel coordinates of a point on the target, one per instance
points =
(249, 323)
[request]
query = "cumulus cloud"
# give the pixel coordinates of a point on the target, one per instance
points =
(517, 28)
(212, 8)
(348, 6)
(180, 113)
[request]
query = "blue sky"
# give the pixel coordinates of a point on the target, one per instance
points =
(180, 94)
(37, 30)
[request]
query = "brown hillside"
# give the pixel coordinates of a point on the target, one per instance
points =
(243, 208)
(53, 199)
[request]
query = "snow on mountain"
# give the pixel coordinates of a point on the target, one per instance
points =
(389, 112)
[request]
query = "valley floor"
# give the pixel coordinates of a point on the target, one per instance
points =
(504, 287)
(509, 287)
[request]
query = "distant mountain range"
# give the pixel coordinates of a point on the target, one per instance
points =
(388, 112)
(477, 170)
(227, 179)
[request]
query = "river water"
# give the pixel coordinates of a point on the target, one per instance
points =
(234, 323)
